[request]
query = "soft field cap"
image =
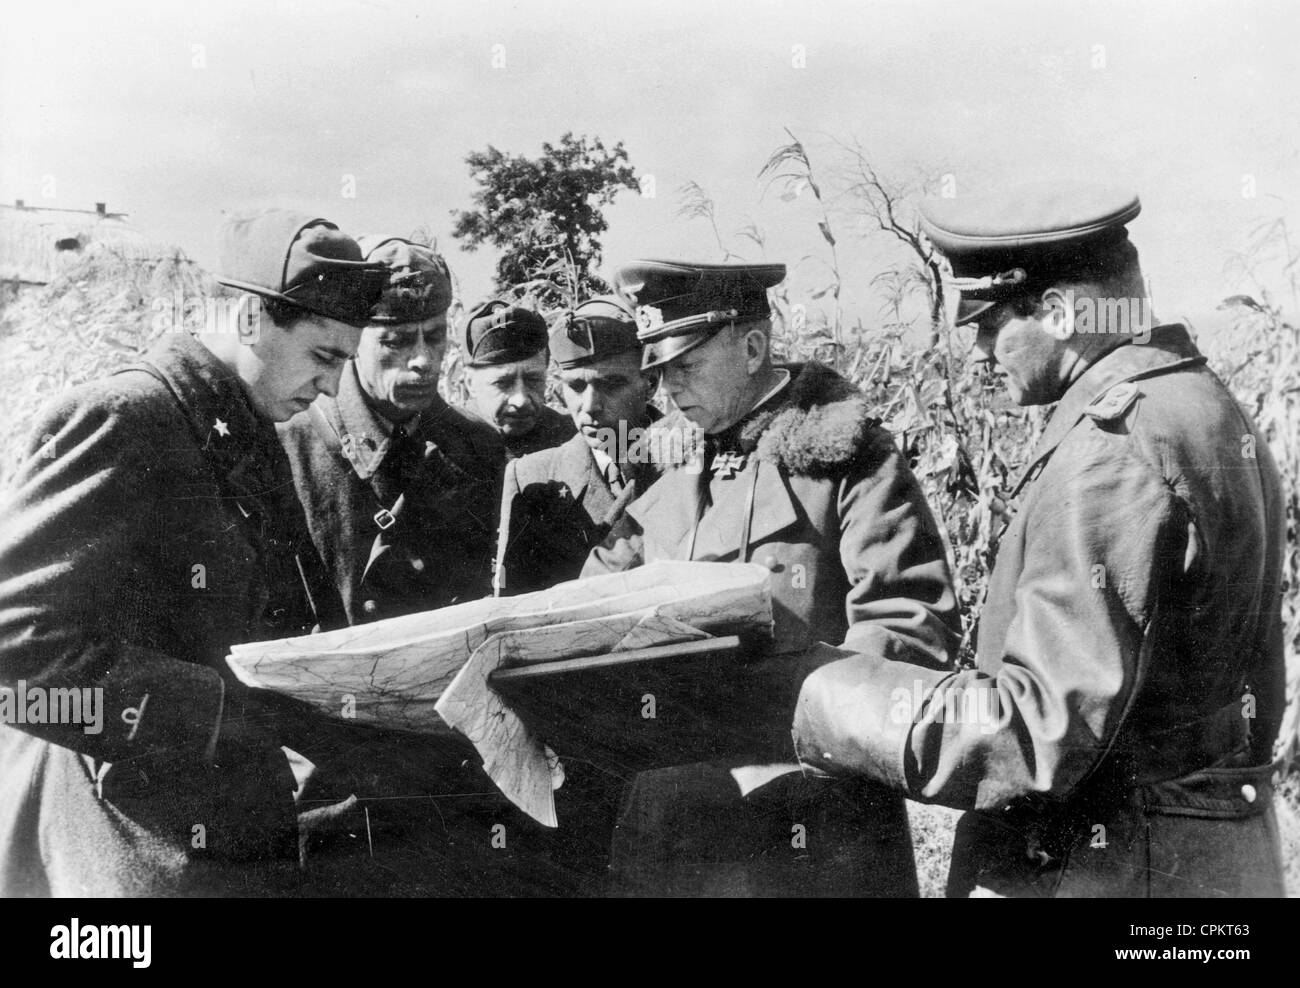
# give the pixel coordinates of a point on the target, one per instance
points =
(600, 327)
(306, 262)
(417, 285)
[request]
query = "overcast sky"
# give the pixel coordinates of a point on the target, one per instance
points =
(174, 112)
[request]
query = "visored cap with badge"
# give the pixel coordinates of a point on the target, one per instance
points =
(598, 328)
(1023, 240)
(417, 285)
(306, 262)
(500, 333)
(679, 305)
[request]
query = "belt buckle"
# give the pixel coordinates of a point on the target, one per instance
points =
(385, 519)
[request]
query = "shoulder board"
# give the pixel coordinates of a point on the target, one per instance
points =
(1113, 402)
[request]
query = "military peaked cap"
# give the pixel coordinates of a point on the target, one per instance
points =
(680, 305)
(1024, 239)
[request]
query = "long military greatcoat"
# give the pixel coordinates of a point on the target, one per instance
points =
(145, 534)
(817, 492)
(1114, 737)
(405, 540)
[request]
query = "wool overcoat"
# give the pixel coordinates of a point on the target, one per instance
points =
(813, 489)
(145, 534)
(1114, 737)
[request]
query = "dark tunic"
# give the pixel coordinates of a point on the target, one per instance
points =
(556, 506)
(402, 529)
(147, 533)
(408, 524)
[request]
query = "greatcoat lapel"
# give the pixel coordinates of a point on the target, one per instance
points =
(722, 527)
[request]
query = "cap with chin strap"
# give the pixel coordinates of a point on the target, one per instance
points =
(1028, 238)
(680, 305)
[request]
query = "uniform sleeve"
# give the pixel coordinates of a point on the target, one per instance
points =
(1072, 658)
(901, 605)
(76, 591)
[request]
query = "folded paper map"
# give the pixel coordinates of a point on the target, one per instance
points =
(425, 671)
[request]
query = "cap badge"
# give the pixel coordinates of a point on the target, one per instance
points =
(648, 318)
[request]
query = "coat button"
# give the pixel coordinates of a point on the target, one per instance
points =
(417, 565)
(370, 607)
(1248, 793)
(772, 563)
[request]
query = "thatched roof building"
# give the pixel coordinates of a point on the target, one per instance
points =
(84, 293)
(37, 244)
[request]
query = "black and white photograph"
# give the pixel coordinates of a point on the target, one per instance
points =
(562, 450)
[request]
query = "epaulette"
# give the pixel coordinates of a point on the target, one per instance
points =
(1113, 403)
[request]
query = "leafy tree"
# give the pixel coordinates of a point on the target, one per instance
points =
(545, 215)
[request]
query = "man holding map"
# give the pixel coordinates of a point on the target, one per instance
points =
(797, 477)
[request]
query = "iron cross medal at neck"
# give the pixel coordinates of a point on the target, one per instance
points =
(727, 464)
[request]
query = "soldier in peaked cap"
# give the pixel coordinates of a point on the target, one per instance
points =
(561, 502)
(798, 477)
(145, 534)
(1129, 667)
(505, 349)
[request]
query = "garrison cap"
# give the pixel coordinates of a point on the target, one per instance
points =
(600, 327)
(306, 262)
(500, 333)
(417, 284)
(1024, 239)
(680, 305)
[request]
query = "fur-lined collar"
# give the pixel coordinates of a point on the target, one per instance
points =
(818, 425)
